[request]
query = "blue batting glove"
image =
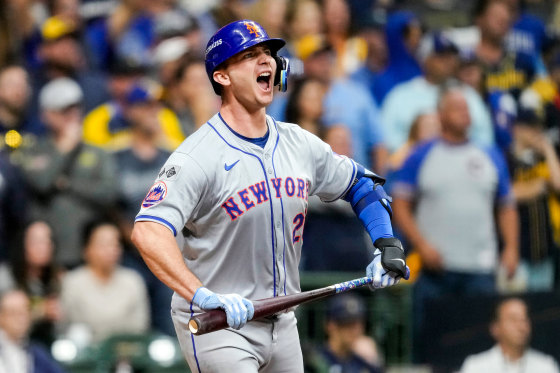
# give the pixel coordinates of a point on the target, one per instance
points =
(388, 265)
(238, 310)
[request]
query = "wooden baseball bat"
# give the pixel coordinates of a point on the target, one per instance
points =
(216, 319)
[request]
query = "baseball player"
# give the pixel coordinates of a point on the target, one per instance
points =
(237, 191)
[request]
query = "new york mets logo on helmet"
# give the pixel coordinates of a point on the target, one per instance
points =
(253, 29)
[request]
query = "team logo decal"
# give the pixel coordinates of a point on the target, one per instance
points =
(157, 193)
(253, 29)
(170, 172)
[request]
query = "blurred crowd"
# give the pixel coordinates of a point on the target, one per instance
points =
(460, 114)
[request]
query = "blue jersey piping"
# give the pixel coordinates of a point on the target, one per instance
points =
(281, 205)
(160, 220)
(193, 345)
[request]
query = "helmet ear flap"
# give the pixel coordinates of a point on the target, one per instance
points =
(282, 72)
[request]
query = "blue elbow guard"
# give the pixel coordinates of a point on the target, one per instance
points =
(370, 203)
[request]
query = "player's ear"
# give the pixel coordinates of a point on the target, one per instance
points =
(221, 77)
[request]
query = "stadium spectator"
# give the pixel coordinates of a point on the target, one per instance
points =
(34, 271)
(176, 22)
(425, 127)
(536, 183)
(166, 57)
(70, 182)
(190, 95)
(15, 93)
(271, 14)
(61, 53)
(439, 57)
(511, 329)
(347, 102)
(109, 125)
(17, 354)
(403, 33)
(453, 184)
(304, 18)
(504, 70)
(345, 328)
(305, 104)
(17, 22)
(88, 290)
(350, 50)
(500, 104)
(139, 165)
(526, 33)
(373, 32)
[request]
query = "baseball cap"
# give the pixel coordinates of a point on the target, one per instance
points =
(143, 92)
(59, 94)
(170, 50)
(436, 43)
(311, 45)
(346, 308)
(176, 22)
(55, 28)
(128, 67)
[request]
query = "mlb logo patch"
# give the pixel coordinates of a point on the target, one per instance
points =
(170, 172)
(157, 193)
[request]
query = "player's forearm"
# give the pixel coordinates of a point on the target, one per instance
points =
(162, 255)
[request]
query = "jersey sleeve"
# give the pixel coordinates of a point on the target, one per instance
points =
(405, 179)
(504, 192)
(176, 193)
(333, 173)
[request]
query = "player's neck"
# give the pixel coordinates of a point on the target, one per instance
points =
(244, 122)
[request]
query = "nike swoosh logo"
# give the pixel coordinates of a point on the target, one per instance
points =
(400, 260)
(230, 166)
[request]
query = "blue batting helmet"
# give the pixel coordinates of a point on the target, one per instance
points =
(232, 39)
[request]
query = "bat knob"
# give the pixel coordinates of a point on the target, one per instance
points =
(193, 326)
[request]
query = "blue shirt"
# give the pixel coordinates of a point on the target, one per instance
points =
(417, 96)
(350, 104)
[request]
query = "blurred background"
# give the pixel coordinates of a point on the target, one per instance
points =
(96, 94)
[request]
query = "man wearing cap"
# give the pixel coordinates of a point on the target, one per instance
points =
(71, 183)
(439, 58)
(345, 327)
(237, 191)
(60, 53)
(110, 125)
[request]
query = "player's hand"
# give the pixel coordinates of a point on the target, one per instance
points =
(238, 309)
(388, 265)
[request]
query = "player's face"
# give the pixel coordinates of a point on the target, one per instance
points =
(250, 76)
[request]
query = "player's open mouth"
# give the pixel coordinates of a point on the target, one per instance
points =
(263, 80)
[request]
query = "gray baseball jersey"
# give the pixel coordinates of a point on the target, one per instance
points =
(241, 208)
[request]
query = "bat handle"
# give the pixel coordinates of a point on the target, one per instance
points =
(208, 321)
(407, 274)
